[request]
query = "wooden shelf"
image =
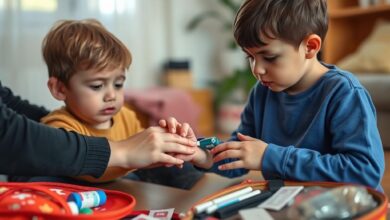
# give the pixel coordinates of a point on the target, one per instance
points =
(358, 11)
(349, 26)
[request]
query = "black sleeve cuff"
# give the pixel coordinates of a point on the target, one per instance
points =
(97, 156)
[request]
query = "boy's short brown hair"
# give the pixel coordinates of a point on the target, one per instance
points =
(79, 45)
(287, 20)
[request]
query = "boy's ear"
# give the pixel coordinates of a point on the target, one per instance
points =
(312, 45)
(57, 88)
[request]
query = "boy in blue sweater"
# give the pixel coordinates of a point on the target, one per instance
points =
(304, 120)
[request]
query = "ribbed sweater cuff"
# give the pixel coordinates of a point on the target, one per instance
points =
(97, 156)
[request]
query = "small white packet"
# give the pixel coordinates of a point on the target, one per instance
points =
(278, 200)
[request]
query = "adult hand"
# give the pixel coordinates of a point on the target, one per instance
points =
(150, 147)
(248, 152)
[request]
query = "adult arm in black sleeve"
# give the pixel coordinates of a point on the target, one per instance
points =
(30, 148)
(20, 106)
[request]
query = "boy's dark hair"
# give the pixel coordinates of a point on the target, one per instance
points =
(287, 20)
(72, 46)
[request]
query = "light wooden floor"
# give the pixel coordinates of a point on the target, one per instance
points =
(386, 176)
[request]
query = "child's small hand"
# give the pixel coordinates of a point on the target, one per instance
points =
(182, 129)
(248, 152)
(202, 158)
(174, 127)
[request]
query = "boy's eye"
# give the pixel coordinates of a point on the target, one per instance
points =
(249, 57)
(270, 58)
(118, 85)
(96, 87)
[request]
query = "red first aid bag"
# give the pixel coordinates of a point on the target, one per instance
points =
(48, 200)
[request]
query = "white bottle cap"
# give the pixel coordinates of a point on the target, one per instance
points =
(73, 208)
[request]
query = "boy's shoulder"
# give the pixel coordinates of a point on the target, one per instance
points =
(62, 118)
(339, 77)
(60, 113)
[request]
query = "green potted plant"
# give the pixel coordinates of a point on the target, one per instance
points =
(226, 22)
(231, 91)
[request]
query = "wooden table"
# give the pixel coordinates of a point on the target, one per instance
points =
(153, 196)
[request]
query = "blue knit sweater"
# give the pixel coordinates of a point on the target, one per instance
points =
(326, 133)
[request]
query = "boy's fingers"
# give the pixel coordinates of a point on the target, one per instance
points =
(184, 129)
(242, 137)
(227, 154)
(232, 165)
(162, 123)
(172, 123)
(225, 146)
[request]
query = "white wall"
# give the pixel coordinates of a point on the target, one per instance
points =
(153, 30)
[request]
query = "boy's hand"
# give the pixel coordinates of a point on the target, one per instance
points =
(182, 129)
(174, 127)
(248, 152)
(202, 158)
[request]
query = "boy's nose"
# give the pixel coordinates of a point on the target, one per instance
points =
(110, 95)
(258, 70)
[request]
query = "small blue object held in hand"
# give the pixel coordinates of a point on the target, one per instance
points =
(208, 143)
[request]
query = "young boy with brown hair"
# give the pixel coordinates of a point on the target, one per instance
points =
(304, 120)
(87, 70)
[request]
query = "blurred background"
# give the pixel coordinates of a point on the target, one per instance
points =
(154, 31)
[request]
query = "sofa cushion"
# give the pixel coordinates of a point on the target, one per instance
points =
(378, 85)
(371, 55)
